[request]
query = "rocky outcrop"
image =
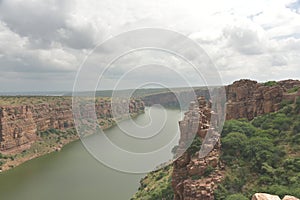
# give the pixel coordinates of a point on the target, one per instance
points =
(248, 99)
(193, 177)
(288, 197)
(20, 124)
(264, 196)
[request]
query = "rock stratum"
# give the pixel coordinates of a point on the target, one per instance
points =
(20, 124)
(248, 99)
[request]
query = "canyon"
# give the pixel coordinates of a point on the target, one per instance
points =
(193, 177)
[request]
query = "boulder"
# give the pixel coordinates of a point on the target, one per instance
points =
(288, 197)
(264, 196)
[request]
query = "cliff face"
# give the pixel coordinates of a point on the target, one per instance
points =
(20, 124)
(248, 99)
(173, 99)
(193, 177)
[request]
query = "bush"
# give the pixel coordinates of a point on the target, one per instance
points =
(236, 197)
(239, 126)
(233, 145)
(270, 83)
(195, 146)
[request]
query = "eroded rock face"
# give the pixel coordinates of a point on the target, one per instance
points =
(264, 196)
(248, 99)
(19, 125)
(193, 177)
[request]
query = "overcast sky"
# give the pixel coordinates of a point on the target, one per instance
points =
(44, 42)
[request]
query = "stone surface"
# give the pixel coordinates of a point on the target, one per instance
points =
(264, 196)
(288, 197)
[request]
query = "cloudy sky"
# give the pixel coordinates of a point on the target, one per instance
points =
(44, 42)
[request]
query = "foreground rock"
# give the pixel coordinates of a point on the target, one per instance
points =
(287, 197)
(264, 196)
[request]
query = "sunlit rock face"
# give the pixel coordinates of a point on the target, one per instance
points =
(248, 99)
(263, 196)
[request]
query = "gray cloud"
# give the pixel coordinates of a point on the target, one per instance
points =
(45, 41)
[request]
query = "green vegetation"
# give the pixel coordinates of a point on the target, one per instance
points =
(293, 90)
(156, 185)
(270, 83)
(262, 155)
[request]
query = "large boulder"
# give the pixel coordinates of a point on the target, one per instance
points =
(264, 196)
(287, 197)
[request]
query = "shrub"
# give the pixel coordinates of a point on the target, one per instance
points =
(236, 197)
(270, 83)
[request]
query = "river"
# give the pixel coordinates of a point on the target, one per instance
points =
(73, 174)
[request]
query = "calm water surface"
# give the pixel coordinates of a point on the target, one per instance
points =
(73, 174)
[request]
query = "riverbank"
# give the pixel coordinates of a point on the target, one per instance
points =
(49, 141)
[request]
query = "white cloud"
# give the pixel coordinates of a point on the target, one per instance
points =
(257, 39)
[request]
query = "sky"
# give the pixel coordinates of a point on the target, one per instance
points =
(43, 44)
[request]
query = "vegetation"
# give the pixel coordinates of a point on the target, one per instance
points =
(270, 83)
(156, 185)
(293, 90)
(262, 155)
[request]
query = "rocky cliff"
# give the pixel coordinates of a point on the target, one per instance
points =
(193, 177)
(20, 124)
(248, 99)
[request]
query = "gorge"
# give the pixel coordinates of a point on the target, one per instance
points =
(190, 177)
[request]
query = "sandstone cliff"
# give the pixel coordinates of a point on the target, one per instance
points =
(248, 99)
(20, 124)
(193, 177)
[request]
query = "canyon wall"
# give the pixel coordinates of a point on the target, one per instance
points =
(173, 99)
(248, 99)
(20, 124)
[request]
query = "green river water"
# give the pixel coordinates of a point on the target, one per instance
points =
(73, 174)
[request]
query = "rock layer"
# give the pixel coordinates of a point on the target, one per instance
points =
(248, 99)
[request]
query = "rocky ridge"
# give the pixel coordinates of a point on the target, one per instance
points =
(248, 99)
